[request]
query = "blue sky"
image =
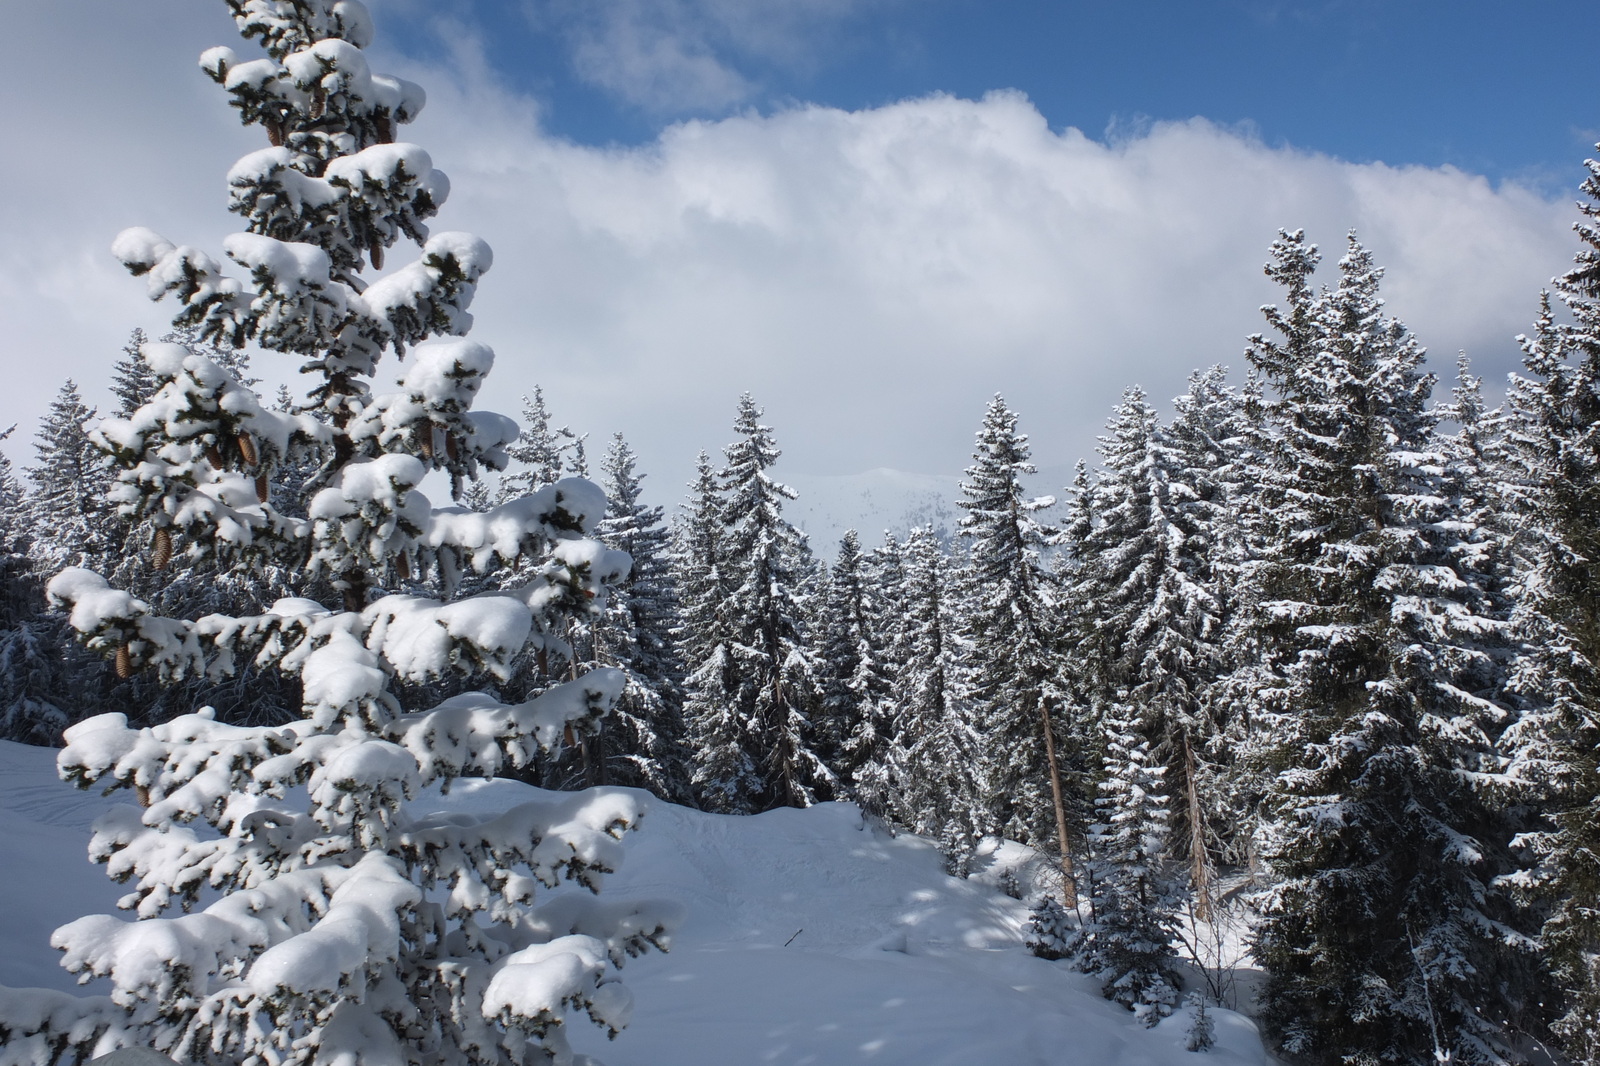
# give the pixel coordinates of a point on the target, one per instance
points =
(1494, 87)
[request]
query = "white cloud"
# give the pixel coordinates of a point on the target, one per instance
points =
(691, 56)
(662, 69)
(871, 276)
(874, 276)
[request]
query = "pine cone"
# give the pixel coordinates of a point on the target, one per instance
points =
(124, 662)
(402, 566)
(214, 456)
(425, 440)
(450, 447)
(261, 487)
(319, 102)
(161, 549)
(376, 252)
(247, 448)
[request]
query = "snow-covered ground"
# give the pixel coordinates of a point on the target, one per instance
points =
(888, 961)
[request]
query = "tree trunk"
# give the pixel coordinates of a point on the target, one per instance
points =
(1200, 869)
(1069, 882)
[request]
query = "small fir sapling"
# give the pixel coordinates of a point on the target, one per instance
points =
(290, 908)
(1202, 1032)
(1050, 930)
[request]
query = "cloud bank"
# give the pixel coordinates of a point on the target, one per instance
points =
(871, 276)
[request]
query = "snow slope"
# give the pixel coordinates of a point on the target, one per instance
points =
(889, 961)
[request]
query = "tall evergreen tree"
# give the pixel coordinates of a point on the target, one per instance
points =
(854, 720)
(1148, 609)
(1012, 638)
(884, 583)
(539, 454)
(726, 776)
(753, 676)
(885, 575)
(72, 513)
(1554, 441)
(642, 742)
(32, 681)
(934, 748)
(290, 905)
(132, 380)
(1133, 901)
(1211, 441)
(1385, 936)
(774, 671)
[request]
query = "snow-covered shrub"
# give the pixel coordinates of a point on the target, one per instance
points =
(289, 905)
(1050, 931)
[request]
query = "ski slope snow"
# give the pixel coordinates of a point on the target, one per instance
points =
(812, 937)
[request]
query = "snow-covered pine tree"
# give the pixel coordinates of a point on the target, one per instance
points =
(1133, 899)
(641, 743)
(31, 666)
(1208, 435)
(884, 583)
(854, 722)
(195, 586)
(885, 574)
(1051, 931)
(771, 673)
(74, 522)
(1237, 770)
(1202, 1032)
(1384, 935)
(1010, 628)
(132, 381)
(578, 460)
(539, 454)
(325, 921)
(1146, 609)
(1213, 432)
(933, 746)
(725, 775)
(1554, 439)
(838, 624)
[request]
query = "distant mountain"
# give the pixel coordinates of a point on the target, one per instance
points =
(871, 503)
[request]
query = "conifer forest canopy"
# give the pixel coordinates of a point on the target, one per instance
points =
(1291, 696)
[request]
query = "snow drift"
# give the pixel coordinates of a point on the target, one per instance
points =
(813, 936)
